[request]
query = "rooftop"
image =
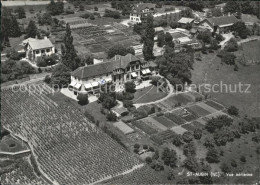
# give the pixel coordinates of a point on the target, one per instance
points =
(39, 44)
(185, 20)
(118, 62)
(223, 20)
(141, 6)
(249, 18)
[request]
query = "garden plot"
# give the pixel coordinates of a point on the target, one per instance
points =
(178, 130)
(214, 104)
(165, 121)
(197, 124)
(123, 127)
(154, 124)
(206, 107)
(145, 127)
(216, 114)
(198, 111)
(190, 127)
(162, 136)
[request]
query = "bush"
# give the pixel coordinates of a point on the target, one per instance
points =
(111, 116)
(113, 14)
(225, 168)
(136, 150)
(233, 163)
(92, 17)
(232, 110)
(243, 159)
(130, 87)
(85, 16)
(96, 8)
(231, 45)
(128, 103)
(197, 133)
(212, 156)
(83, 99)
(148, 160)
(189, 149)
(12, 54)
(47, 79)
(145, 147)
(187, 137)
(137, 145)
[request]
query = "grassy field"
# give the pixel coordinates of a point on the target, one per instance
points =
(211, 71)
(250, 51)
(10, 144)
(148, 94)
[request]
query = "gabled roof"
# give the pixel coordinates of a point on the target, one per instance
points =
(157, 29)
(118, 62)
(185, 20)
(249, 18)
(24, 42)
(119, 110)
(40, 44)
(142, 6)
(223, 20)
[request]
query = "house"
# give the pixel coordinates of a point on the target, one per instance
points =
(183, 40)
(141, 11)
(249, 20)
(119, 111)
(110, 75)
(37, 48)
(221, 6)
(218, 24)
(184, 21)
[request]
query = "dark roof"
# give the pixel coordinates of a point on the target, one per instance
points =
(142, 6)
(118, 62)
(249, 18)
(223, 20)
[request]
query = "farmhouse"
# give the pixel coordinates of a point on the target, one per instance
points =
(112, 74)
(218, 24)
(141, 11)
(36, 48)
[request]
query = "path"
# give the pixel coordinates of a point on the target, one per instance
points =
(227, 37)
(171, 91)
(144, 94)
(248, 39)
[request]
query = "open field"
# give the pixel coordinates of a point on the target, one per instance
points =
(211, 71)
(10, 144)
(250, 52)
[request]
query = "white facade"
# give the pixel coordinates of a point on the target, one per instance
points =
(135, 17)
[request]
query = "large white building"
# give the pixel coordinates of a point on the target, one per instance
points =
(38, 47)
(114, 73)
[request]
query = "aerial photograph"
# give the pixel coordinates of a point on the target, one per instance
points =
(130, 92)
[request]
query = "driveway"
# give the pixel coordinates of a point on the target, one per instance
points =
(227, 37)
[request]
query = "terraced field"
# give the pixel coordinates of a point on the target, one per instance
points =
(68, 148)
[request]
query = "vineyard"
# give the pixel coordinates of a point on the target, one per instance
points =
(67, 147)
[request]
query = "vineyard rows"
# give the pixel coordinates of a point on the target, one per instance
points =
(68, 148)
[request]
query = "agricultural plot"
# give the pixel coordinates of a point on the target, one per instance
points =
(178, 130)
(162, 136)
(123, 127)
(175, 118)
(197, 111)
(197, 124)
(165, 121)
(206, 107)
(190, 127)
(144, 127)
(66, 145)
(153, 124)
(214, 105)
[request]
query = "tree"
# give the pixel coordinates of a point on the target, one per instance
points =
(69, 55)
(189, 149)
(41, 62)
(119, 50)
(228, 58)
(111, 116)
(113, 14)
(240, 29)
(216, 12)
(231, 45)
(83, 98)
(212, 155)
(137, 145)
(81, 7)
(177, 140)
(92, 17)
(156, 155)
(191, 164)
(130, 87)
(108, 100)
(231, 7)
(225, 168)
(47, 79)
(12, 54)
(55, 8)
(32, 30)
(60, 76)
(218, 122)
(96, 8)
(214, 44)
(169, 157)
(45, 19)
(148, 160)
(148, 39)
(21, 13)
(161, 40)
(205, 36)
(197, 133)
(219, 37)
(232, 110)
(187, 136)
(169, 40)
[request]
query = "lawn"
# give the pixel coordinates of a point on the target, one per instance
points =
(165, 121)
(211, 71)
(148, 94)
(251, 52)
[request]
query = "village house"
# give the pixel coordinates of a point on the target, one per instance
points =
(141, 11)
(184, 21)
(114, 73)
(249, 20)
(37, 48)
(218, 24)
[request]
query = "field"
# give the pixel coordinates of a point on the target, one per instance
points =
(148, 94)
(65, 144)
(123, 127)
(250, 52)
(211, 71)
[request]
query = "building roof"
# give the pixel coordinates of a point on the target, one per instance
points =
(40, 44)
(139, 7)
(119, 110)
(184, 39)
(249, 18)
(221, 5)
(157, 29)
(185, 20)
(223, 20)
(118, 62)
(24, 42)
